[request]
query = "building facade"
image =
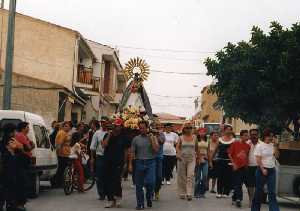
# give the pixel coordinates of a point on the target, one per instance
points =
(55, 55)
(209, 113)
(112, 79)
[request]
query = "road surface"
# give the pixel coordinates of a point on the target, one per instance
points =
(55, 200)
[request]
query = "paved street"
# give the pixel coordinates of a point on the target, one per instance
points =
(55, 200)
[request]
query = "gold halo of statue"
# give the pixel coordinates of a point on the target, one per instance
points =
(137, 69)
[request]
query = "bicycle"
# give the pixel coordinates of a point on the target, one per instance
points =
(71, 178)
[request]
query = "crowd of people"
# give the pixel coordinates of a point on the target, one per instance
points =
(215, 162)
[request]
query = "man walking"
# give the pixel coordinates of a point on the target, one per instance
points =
(144, 149)
(97, 155)
(116, 146)
(252, 166)
(238, 154)
(159, 158)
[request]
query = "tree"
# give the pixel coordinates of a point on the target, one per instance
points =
(259, 81)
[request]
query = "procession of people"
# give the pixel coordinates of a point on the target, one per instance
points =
(215, 162)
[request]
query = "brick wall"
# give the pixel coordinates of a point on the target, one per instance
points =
(40, 101)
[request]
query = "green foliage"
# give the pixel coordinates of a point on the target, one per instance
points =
(259, 81)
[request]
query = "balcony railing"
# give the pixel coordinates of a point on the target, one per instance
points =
(85, 75)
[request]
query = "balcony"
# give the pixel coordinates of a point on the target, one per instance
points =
(89, 84)
(85, 75)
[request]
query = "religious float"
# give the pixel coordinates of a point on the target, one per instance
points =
(135, 104)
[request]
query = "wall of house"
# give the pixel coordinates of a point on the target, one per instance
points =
(90, 111)
(208, 112)
(25, 97)
(42, 50)
(239, 125)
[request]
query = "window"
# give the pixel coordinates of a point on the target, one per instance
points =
(41, 136)
(107, 78)
(46, 137)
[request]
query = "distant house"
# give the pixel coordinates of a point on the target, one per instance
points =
(208, 113)
(177, 121)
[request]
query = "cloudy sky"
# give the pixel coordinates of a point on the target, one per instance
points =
(172, 35)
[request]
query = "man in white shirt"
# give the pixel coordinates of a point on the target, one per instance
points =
(169, 152)
(97, 155)
(252, 165)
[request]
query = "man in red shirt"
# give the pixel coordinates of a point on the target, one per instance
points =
(21, 137)
(238, 154)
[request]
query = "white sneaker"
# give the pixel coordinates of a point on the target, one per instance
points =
(225, 196)
(168, 183)
(118, 202)
(163, 182)
(218, 196)
(132, 186)
(110, 204)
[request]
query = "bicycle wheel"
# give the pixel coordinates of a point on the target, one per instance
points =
(89, 182)
(68, 180)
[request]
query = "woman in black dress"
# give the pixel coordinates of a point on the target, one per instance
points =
(15, 162)
(224, 169)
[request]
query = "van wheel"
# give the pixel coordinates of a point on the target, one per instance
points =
(296, 186)
(53, 182)
(35, 186)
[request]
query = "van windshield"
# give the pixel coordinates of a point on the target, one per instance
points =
(289, 157)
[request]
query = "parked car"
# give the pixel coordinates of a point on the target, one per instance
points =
(44, 160)
(287, 172)
(212, 126)
(288, 184)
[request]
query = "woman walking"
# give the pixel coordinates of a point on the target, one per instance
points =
(202, 164)
(266, 172)
(224, 169)
(186, 156)
(212, 172)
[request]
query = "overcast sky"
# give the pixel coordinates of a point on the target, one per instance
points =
(192, 29)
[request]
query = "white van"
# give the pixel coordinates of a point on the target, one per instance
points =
(288, 178)
(44, 161)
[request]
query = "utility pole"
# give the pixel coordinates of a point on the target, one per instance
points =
(9, 56)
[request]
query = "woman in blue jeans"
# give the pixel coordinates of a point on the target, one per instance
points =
(201, 170)
(266, 172)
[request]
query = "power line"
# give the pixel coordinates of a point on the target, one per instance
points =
(180, 73)
(178, 97)
(182, 106)
(165, 49)
(164, 57)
